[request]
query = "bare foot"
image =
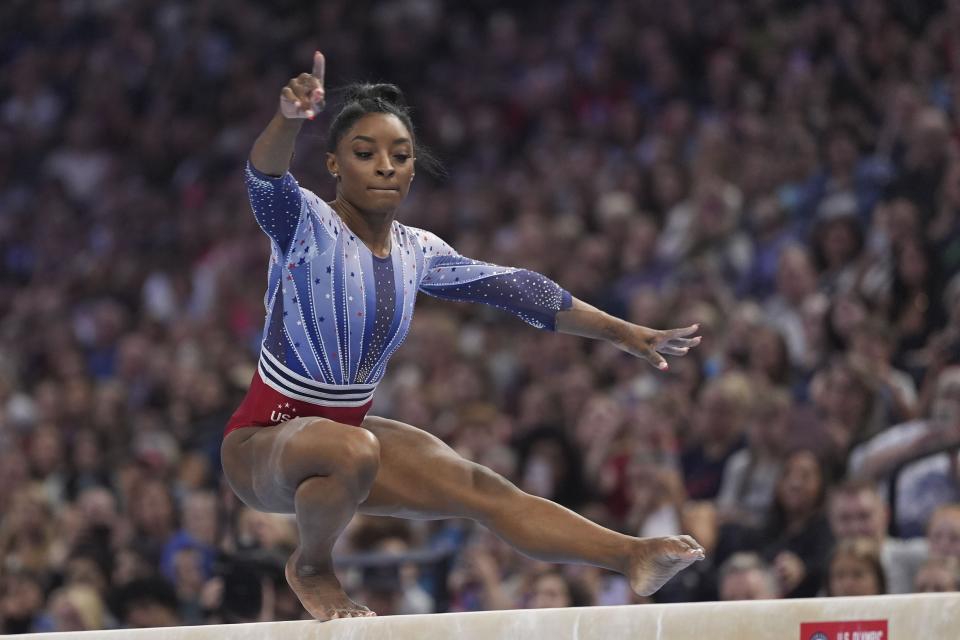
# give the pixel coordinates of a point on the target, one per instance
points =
(320, 592)
(653, 561)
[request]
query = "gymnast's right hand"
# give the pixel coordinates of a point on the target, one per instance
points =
(304, 96)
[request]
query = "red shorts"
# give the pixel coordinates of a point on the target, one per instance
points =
(264, 406)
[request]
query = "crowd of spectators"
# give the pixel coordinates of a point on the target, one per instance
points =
(784, 173)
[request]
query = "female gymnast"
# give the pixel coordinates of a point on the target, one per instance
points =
(342, 281)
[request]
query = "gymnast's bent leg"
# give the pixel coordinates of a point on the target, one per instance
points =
(421, 477)
(320, 470)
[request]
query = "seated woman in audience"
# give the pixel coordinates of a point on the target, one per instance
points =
(796, 538)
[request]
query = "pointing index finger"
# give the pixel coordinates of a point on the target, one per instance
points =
(319, 65)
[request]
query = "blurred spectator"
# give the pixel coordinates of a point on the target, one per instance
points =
(549, 467)
(854, 569)
(944, 231)
(21, 602)
(147, 602)
(918, 452)
(844, 404)
(837, 240)
(87, 463)
(943, 348)
(943, 532)
(768, 360)
(552, 588)
(750, 475)
(28, 537)
(938, 575)
(915, 307)
(198, 535)
(848, 184)
(392, 586)
(129, 564)
(722, 408)
(745, 576)
(796, 280)
(247, 589)
(656, 496)
(153, 515)
(188, 574)
(489, 575)
(704, 229)
(73, 608)
(924, 159)
(795, 539)
(770, 234)
(857, 510)
(894, 392)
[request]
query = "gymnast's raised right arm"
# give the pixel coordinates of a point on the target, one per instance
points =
(275, 196)
(303, 97)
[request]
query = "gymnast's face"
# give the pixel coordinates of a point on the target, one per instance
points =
(373, 163)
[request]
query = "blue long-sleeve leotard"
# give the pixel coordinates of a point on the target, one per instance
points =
(336, 312)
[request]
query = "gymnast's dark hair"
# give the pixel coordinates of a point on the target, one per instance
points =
(363, 98)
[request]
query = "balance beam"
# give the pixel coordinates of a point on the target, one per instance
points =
(900, 617)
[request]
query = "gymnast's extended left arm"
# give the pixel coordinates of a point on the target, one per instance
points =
(581, 319)
(541, 302)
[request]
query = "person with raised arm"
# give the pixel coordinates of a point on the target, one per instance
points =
(342, 281)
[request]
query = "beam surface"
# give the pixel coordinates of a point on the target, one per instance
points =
(900, 617)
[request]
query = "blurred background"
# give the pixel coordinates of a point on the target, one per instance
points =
(785, 173)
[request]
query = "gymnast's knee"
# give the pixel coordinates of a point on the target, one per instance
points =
(351, 455)
(359, 457)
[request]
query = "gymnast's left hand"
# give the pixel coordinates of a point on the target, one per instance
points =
(650, 343)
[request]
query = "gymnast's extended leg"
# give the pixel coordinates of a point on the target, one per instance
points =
(421, 477)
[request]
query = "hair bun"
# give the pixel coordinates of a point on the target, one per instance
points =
(389, 93)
